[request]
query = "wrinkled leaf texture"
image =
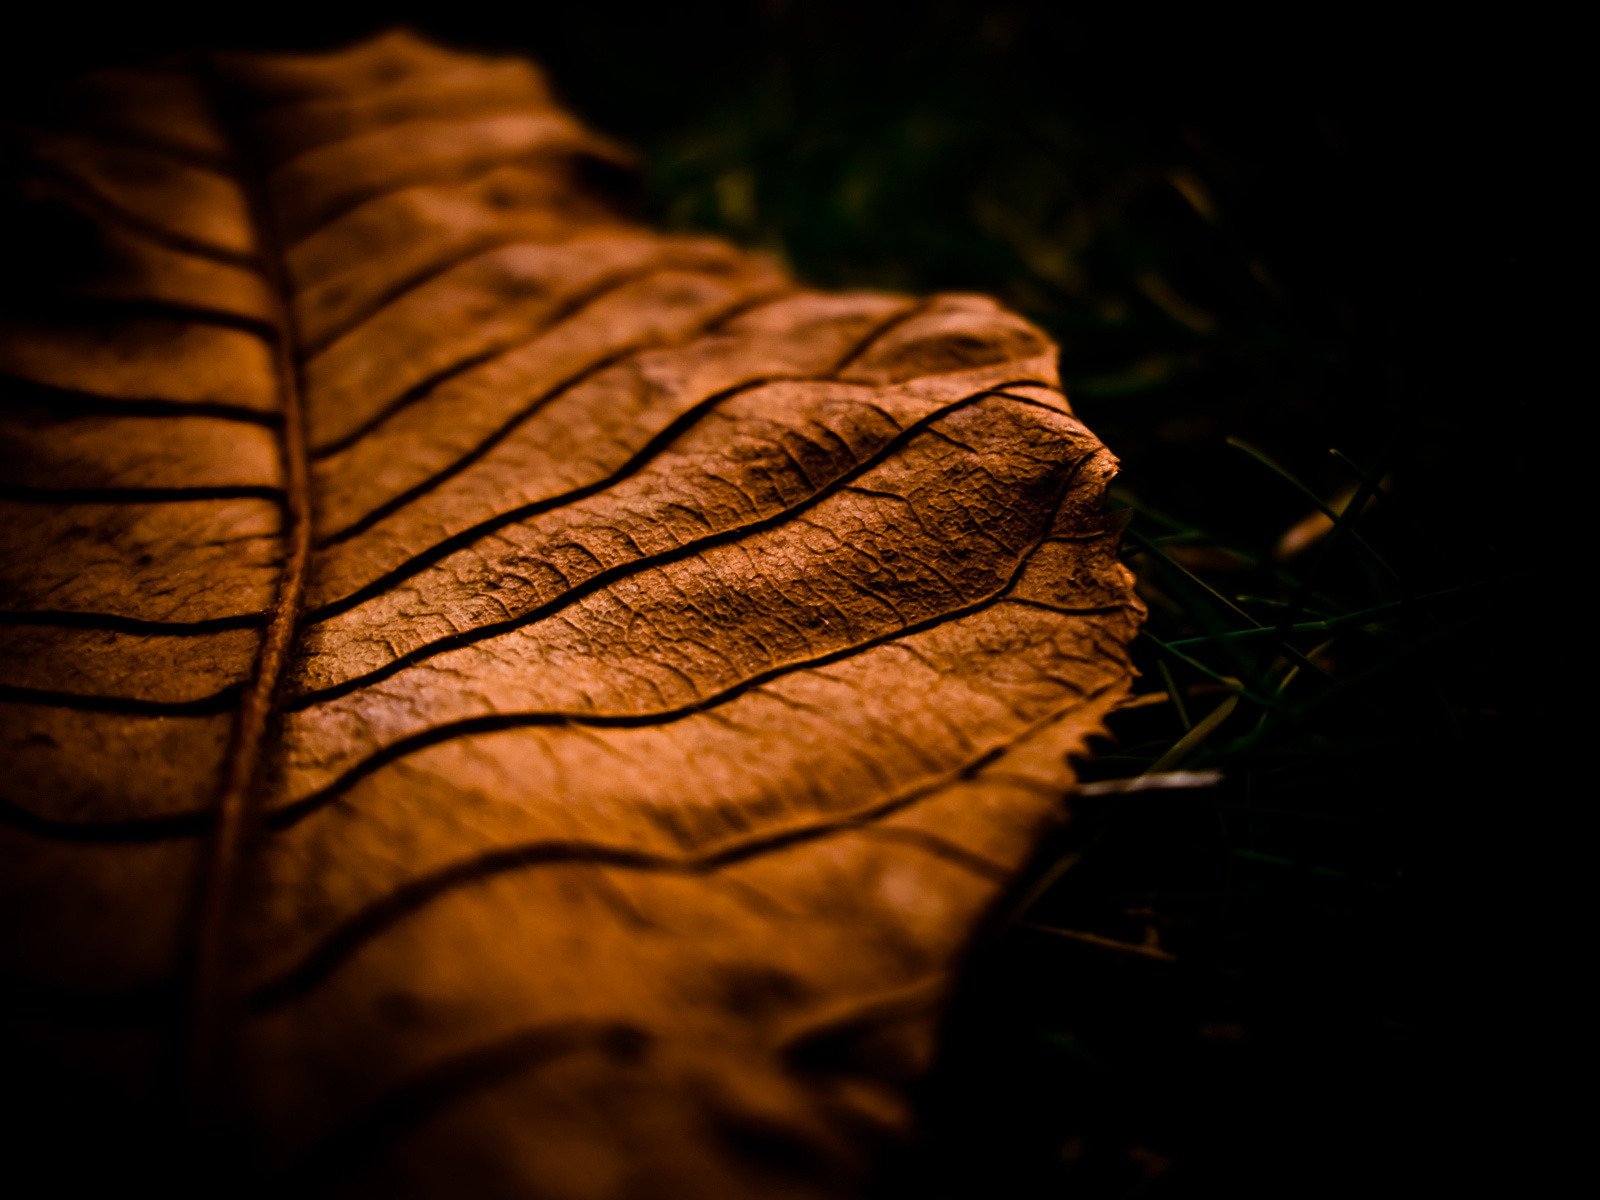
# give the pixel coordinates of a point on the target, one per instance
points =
(498, 701)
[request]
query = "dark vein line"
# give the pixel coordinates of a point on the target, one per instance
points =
(805, 1045)
(109, 210)
(907, 314)
(492, 108)
(191, 823)
(93, 127)
(607, 577)
(209, 1030)
(186, 156)
(504, 430)
(455, 541)
(436, 1087)
(1045, 606)
(17, 392)
(123, 831)
(399, 290)
(140, 831)
(116, 623)
(368, 923)
(638, 720)
(23, 494)
(460, 174)
(295, 811)
(346, 139)
(567, 309)
(90, 306)
(220, 701)
(942, 848)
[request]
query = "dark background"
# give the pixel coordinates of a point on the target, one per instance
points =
(1328, 231)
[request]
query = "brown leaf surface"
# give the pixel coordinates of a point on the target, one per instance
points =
(528, 706)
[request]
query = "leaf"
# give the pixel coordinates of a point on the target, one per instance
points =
(508, 702)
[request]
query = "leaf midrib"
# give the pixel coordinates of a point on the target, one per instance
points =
(209, 1025)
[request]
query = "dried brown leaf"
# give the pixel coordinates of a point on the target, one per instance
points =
(527, 705)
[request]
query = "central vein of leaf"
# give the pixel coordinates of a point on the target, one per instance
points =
(212, 992)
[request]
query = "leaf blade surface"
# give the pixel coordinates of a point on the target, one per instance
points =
(595, 686)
